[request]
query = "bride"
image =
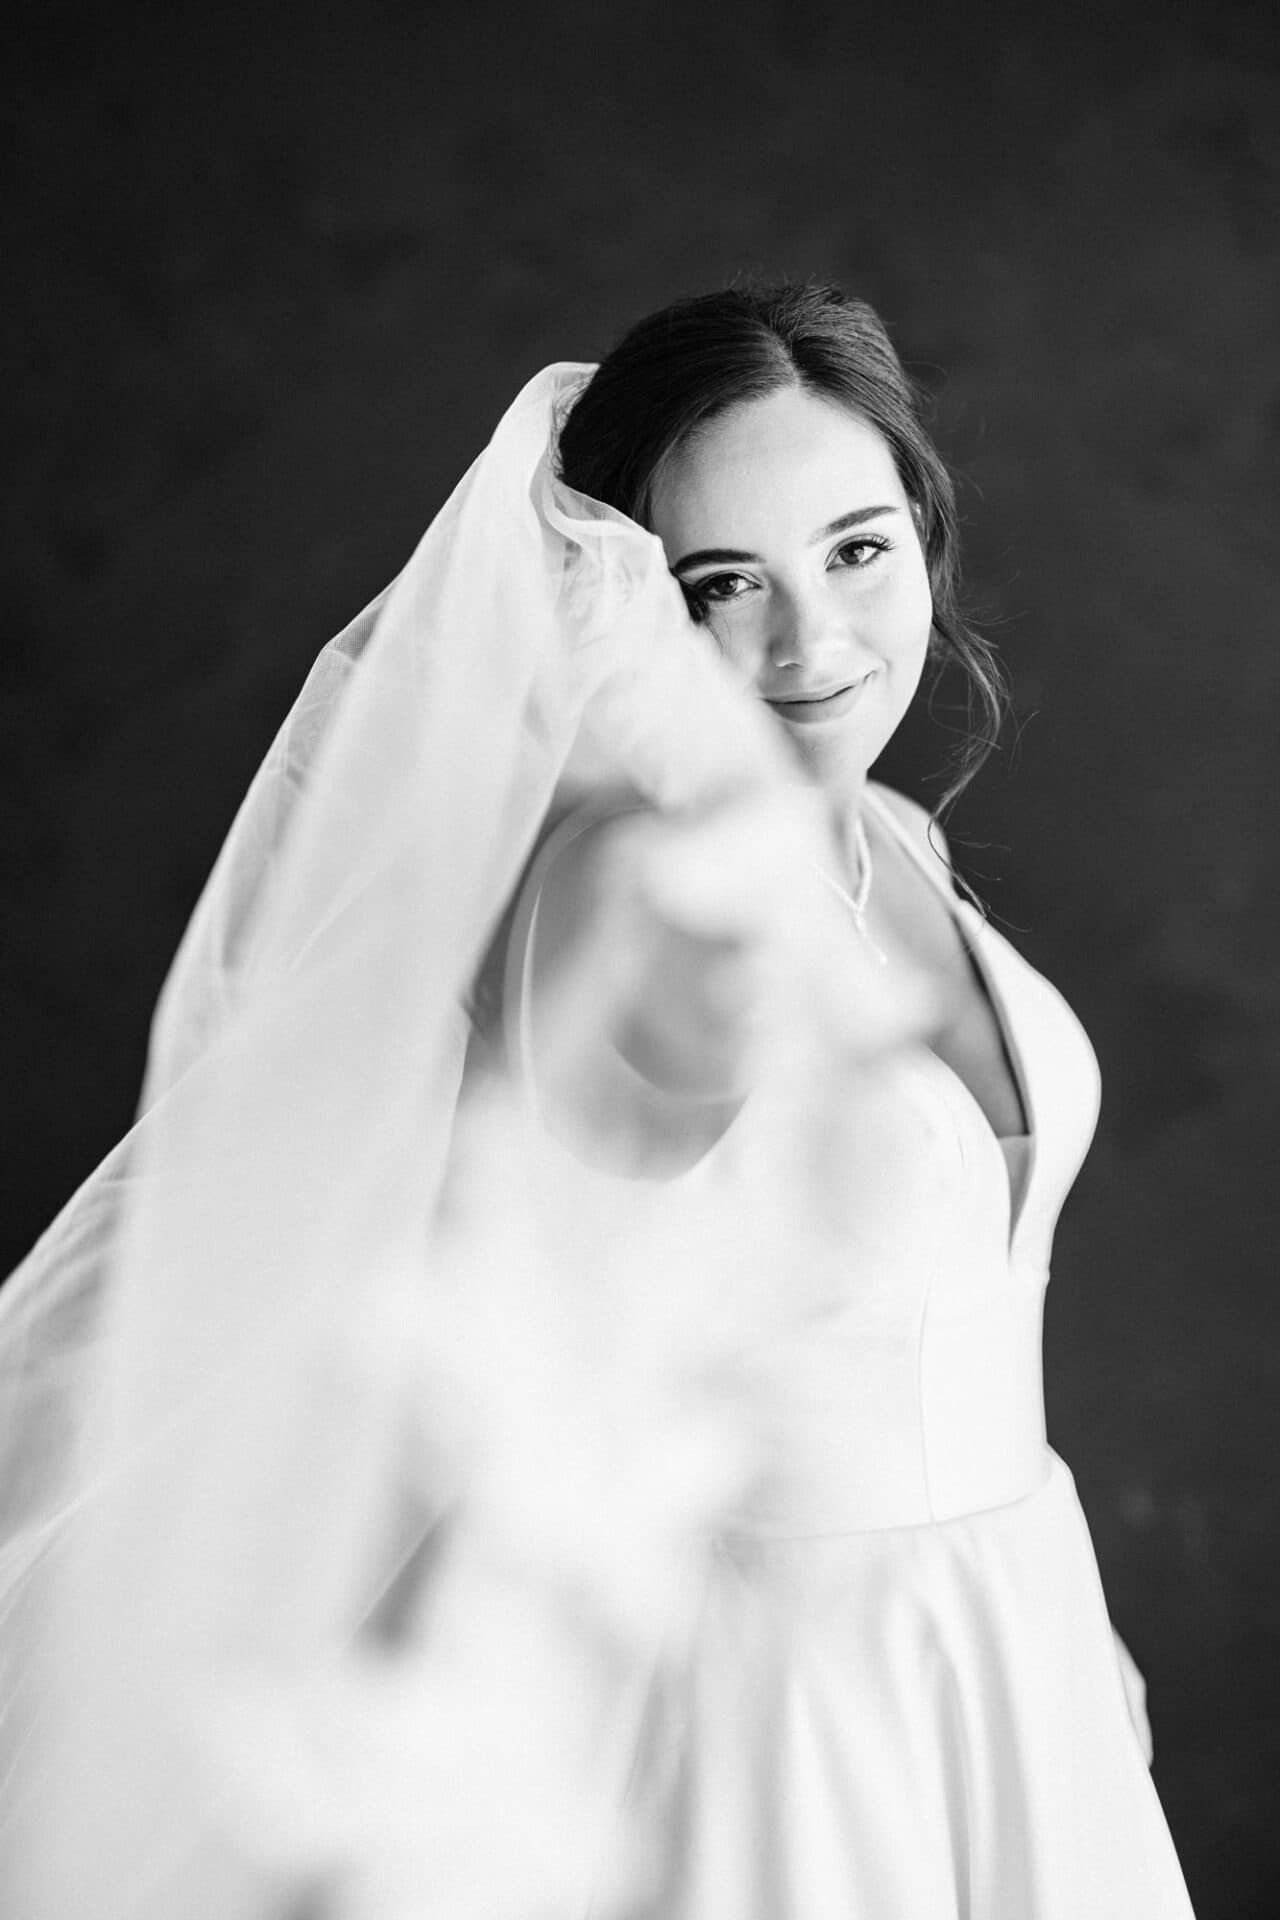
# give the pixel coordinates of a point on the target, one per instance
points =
(543, 1414)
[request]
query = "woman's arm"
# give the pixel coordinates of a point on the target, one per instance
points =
(638, 1027)
(668, 958)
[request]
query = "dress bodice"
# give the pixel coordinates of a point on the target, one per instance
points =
(1017, 1183)
(914, 1392)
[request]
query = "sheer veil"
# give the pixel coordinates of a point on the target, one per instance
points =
(286, 1413)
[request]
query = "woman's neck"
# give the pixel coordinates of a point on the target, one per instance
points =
(843, 802)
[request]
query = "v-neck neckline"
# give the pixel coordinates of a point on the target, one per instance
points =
(970, 926)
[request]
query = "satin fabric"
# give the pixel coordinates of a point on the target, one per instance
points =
(901, 1699)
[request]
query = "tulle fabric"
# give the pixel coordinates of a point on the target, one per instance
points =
(329, 1521)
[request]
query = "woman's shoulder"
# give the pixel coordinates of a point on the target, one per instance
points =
(567, 869)
(574, 860)
(921, 825)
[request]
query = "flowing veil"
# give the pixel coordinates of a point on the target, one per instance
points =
(332, 1567)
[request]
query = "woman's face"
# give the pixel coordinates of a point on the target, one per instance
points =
(787, 523)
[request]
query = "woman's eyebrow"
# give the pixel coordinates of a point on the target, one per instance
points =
(703, 555)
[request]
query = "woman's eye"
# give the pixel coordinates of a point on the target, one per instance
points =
(720, 586)
(862, 551)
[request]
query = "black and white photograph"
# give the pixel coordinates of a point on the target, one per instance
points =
(638, 762)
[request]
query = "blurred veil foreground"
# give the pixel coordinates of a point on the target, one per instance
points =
(362, 1447)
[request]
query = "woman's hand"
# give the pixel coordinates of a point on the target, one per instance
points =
(1135, 1693)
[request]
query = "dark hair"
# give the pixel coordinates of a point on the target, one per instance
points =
(678, 369)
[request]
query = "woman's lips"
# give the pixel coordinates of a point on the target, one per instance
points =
(830, 706)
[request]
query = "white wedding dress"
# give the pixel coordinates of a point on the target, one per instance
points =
(901, 1700)
(312, 1304)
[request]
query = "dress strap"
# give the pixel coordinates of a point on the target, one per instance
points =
(1014, 1146)
(936, 869)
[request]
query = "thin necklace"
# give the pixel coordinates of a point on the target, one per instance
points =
(857, 902)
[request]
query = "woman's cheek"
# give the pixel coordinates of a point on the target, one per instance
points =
(741, 644)
(912, 615)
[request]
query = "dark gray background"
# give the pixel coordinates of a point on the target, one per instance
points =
(271, 281)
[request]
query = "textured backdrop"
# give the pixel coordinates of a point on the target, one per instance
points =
(271, 282)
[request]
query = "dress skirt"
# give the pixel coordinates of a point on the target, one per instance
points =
(906, 1723)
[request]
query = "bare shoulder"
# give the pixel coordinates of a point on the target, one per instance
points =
(918, 821)
(573, 873)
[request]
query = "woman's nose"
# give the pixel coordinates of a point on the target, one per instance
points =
(809, 631)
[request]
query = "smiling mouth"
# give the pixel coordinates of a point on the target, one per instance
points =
(810, 707)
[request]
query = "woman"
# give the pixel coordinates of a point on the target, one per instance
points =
(903, 1698)
(829, 1119)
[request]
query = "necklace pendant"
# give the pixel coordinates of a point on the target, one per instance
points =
(860, 922)
(857, 902)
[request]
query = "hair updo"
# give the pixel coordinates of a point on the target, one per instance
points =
(679, 368)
